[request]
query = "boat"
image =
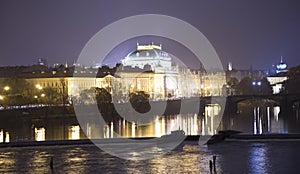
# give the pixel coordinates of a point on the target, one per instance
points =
(221, 136)
(175, 133)
(172, 141)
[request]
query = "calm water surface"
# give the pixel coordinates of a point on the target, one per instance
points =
(232, 157)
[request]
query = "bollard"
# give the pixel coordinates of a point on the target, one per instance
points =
(214, 161)
(210, 166)
(51, 163)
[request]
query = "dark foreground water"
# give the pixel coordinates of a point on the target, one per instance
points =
(232, 157)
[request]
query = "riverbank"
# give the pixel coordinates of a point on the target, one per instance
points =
(235, 137)
(80, 142)
(263, 137)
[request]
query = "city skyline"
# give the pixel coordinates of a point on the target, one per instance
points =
(138, 86)
(245, 33)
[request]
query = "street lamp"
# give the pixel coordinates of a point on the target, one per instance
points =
(1, 97)
(38, 86)
(257, 84)
(6, 88)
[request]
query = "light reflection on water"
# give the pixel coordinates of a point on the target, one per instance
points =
(258, 158)
(253, 120)
(232, 157)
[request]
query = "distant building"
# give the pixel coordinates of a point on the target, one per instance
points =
(42, 62)
(229, 68)
(281, 67)
(146, 69)
(277, 80)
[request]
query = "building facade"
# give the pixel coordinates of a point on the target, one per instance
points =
(148, 69)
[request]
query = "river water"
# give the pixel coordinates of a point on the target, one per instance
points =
(21, 126)
(232, 157)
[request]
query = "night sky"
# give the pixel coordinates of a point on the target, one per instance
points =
(245, 33)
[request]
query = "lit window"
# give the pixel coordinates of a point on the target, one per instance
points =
(74, 132)
(39, 134)
(1, 136)
(7, 137)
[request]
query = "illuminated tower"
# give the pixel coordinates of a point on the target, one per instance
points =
(281, 67)
(229, 66)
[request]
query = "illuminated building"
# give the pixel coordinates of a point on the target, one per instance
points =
(148, 69)
(229, 66)
(277, 80)
(281, 67)
(151, 55)
(162, 80)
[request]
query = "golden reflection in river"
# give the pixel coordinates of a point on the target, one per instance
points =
(6, 161)
(186, 161)
(191, 124)
(73, 161)
(38, 162)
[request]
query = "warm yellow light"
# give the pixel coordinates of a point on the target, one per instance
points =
(74, 132)
(157, 127)
(40, 134)
(7, 139)
(35, 96)
(133, 129)
(1, 136)
(1, 97)
(6, 88)
(43, 95)
(38, 86)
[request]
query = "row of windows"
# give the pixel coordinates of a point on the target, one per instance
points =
(53, 84)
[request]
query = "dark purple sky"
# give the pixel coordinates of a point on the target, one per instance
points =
(246, 33)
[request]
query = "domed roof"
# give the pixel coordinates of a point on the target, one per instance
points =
(281, 67)
(151, 53)
(148, 55)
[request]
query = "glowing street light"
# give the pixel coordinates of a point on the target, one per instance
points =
(1, 97)
(6, 88)
(43, 95)
(38, 86)
(258, 83)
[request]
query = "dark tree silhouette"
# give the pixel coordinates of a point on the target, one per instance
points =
(232, 81)
(248, 86)
(16, 91)
(103, 96)
(140, 101)
(52, 96)
(87, 96)
(292, 85)
(245, 86)
(232, 85)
